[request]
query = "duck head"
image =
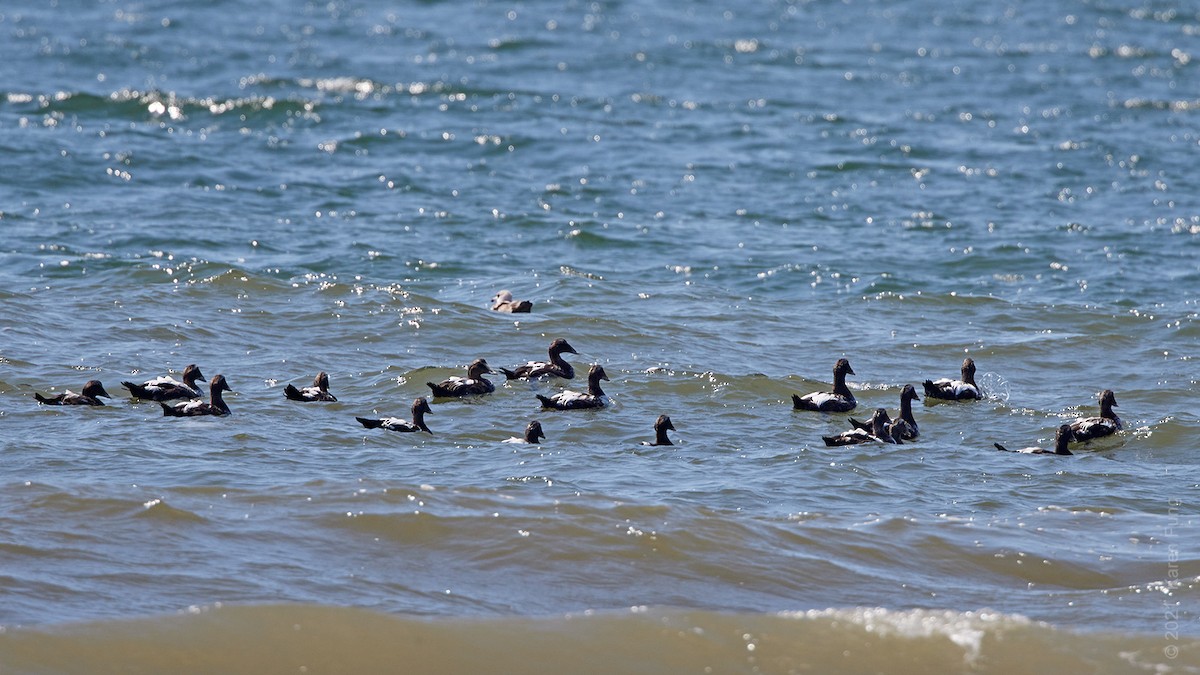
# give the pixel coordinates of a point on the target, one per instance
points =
(94, 389)
(533, 432)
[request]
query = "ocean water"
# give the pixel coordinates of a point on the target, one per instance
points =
(713, 201)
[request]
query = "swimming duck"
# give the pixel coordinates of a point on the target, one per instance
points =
(841, 399)
(661, 425)
(167, 388)
(419, 408)
(503, 302)
(533, 431)
(92, 391)
(319, 391)
(216, 406)
(556, 366)
(573, 400)
(956, 390)
(1095, 427)
(882, 430)
(1063, 436)
(895, 432)
(472, 385)
(907, 423)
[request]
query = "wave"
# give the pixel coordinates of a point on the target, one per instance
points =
(138, 105)
(322, 639)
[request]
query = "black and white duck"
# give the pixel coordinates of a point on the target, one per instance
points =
(1106, 424)
(555, 367)
(573, 400)
(883, 430)
(420, 408)
(167, 388)
(948, 389)
(1062, 437)
(841, 399)
(906, 422)
(474, 384)
(319, 391)
(533, 432)
(92, 391)
(661, 426)
(214, 406)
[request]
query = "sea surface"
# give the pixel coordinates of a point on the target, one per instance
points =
(715, 201)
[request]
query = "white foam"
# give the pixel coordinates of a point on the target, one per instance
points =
(994, 386)
(965, 629)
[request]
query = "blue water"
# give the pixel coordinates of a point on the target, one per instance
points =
(714, 202)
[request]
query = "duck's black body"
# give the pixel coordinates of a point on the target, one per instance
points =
(555, 367)
(419, 408)
(92, 391)
(473, 384)
(841, 399)
(906, 423)
(533, 432)
(1062, 437)
(214, 406)
(167, 388)
(964, 389)
(319, 391)
(573, 400)
(882, 430)
(1097, 427)
(661, 425)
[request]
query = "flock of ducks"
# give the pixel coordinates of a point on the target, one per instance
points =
(881, 428)
(475, 384)
(183, 399)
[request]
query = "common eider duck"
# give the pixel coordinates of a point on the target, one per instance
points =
(906, 422)
(473, 384)
(895, 432)
(167, 388)
(533, 432)
(1062, 437)
(503, 302)
(215, 406)
(573, 400)
(841, 399)
(882, 430)
(956, 390)
(556, 366)
(419, 408)
(1095, 427)
(319, 391)
(661, 425)
(92, 391)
